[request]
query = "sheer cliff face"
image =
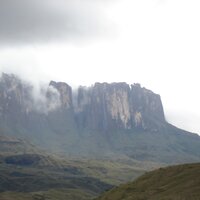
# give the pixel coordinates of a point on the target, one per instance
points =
(146, 107)
(101, 107)
(94, 122)
(15, 97)
(65, 93)
(104, 106)
(21, 97)
(118, 105)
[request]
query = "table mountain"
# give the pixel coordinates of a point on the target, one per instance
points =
(104, 120)
(118, 106)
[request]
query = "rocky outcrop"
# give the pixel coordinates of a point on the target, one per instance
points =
(102, 106)
(146, 107)
(101, 120)
(15, 97)
(65, 93)
(117, 105)
(18, 97)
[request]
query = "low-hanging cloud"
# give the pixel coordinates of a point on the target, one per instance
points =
(45, 99)
(25, 21)
(41, 98)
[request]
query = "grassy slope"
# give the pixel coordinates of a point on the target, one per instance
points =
(52, 177)
(168, 145)
(45, 181)
(62, 194)
(57, 179)
(47, 177)
(180, 182)
(114, 172)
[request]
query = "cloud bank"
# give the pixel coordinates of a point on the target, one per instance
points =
(25, 21)
(45, 99)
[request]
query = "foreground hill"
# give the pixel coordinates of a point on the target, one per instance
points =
(180, 182)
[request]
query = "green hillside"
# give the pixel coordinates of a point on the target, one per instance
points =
(27, 172)
(180, 182)
(34, 176)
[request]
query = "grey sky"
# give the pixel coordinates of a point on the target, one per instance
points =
(28, 21)
(153, 42)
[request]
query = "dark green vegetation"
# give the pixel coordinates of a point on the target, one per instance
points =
(54, 178)
(41, 177)
(29, 173)
(180, 182)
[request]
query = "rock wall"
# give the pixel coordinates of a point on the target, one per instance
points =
(102, 106)
(65, 93)
(118, 105)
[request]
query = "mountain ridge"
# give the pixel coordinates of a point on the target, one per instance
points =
(104, 120)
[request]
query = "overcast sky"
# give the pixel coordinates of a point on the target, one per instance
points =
(153, 42)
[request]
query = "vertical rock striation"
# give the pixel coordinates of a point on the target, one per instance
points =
(117, 105)
(146, 107)
(85, 122)
(15, 97)
(102, 106)
(65, 93)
